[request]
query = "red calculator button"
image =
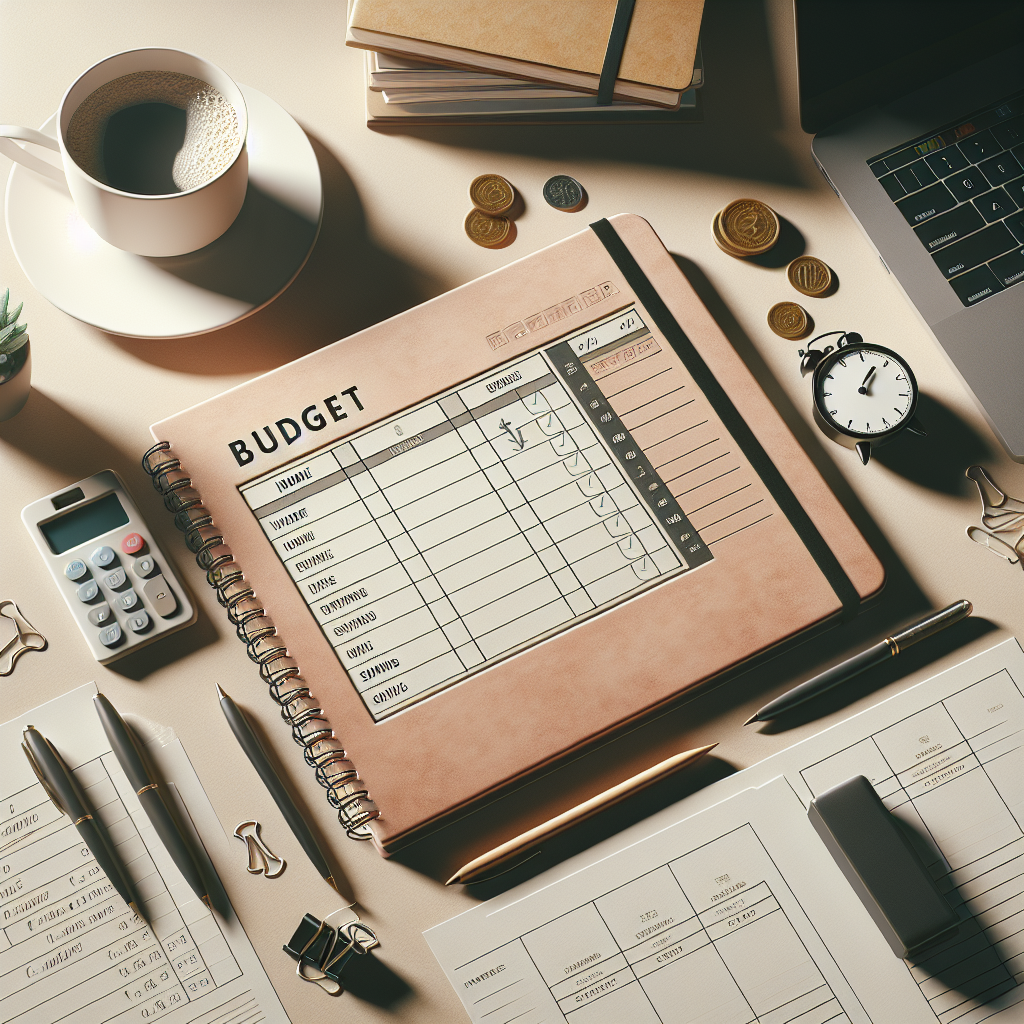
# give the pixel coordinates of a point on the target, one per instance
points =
(132, 544)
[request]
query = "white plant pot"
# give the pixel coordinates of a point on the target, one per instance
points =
(14, 392)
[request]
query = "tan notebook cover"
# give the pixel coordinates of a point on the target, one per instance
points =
(507, 522)
(561, 43)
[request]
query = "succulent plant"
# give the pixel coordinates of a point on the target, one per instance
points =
(13, 339)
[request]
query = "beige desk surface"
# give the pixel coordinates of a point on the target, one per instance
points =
(393, 237)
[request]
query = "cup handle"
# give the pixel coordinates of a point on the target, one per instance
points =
(16, 153)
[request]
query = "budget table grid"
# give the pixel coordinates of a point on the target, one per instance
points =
(508, 508)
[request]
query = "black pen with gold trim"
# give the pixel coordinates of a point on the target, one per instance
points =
(127, 752)
(62, 788)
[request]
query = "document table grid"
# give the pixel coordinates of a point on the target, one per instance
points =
(681, 943)
(66, 930)
(461, 530)
(954, 774)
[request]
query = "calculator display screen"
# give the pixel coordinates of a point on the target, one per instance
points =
(84, 523)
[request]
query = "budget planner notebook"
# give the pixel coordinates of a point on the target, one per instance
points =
(505, 524)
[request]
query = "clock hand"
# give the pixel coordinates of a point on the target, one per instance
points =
(863, 389)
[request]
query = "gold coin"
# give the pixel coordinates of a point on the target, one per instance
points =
(749, 226)
(809, 275)
(788, 320)
(485, 230)
(720, 241)
(491, 193)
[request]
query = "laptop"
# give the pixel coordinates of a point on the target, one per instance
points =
(917, 112)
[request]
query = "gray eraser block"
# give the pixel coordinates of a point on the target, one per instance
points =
(885, 870)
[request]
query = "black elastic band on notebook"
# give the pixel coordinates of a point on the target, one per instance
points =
(613, 54)
(730, 416)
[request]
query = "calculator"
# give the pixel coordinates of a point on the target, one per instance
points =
(102, 556)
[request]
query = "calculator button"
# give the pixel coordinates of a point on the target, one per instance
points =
(110, 636)
(160, 596)
(102, 557)
(88, 591)
(139, 622)
(127, 600)
(101, 614)
(115, 579)
(132, 544)
(144, 567)
(75, 569)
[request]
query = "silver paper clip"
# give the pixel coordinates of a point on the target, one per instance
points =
(27, 638)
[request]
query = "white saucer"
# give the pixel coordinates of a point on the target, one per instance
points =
(175, 296)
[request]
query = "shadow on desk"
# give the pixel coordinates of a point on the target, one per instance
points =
(53, 436)
(348, 283)
(696, 718)
(738, 137)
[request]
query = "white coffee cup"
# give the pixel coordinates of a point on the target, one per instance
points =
(150, 225)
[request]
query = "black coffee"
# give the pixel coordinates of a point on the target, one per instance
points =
(154, 133)
(140, 144)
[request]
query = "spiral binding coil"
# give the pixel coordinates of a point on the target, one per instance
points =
(321, 749)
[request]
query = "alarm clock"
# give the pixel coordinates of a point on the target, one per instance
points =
(863, 395)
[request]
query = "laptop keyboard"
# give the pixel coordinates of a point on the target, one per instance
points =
(962, 191)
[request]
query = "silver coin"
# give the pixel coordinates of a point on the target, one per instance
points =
(564, 193)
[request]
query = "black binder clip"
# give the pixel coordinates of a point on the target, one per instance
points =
(323, 952)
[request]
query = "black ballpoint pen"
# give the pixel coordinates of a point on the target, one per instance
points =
(127, 752)
(257, 755)
(62, 788)
(875, 655)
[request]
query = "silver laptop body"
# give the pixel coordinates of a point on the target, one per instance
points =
(984, 340)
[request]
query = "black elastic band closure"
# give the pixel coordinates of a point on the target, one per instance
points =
(730, 416)
(613, 54)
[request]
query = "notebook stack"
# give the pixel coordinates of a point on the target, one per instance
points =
(527, 62)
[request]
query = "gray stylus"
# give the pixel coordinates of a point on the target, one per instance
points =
(875, 655)
(125, 748)
(257, 755)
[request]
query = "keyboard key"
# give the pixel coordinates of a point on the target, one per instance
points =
(978, 147)
(915, 176)
(111, 635)
(1015, 222)
(976, 285)
(100, 615)
(160, 596)
(950, 227)
(1009, 133)
(102, 557)
(967, 184)
(75, 569)
(1009, 269)
(88, 591)
(1015, 190)
(139, 622)
(115, 580)
(929, 202)
(994, 205)
(1018, 152)
(974, 250)
(127, 600)
(1001, 168)
(892, 186)
(946, 162)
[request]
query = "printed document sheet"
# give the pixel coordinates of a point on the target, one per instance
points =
(70, 948)
(737, 913)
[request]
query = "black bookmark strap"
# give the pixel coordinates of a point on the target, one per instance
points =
(613, 54)
(730, 416)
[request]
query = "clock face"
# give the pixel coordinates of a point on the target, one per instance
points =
(864, 390)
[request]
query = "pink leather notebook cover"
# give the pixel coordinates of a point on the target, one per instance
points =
(437, 757)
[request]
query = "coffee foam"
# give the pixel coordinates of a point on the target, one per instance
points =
(211, 124)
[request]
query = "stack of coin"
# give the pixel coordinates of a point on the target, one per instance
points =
(746, 227)
(491, 196)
